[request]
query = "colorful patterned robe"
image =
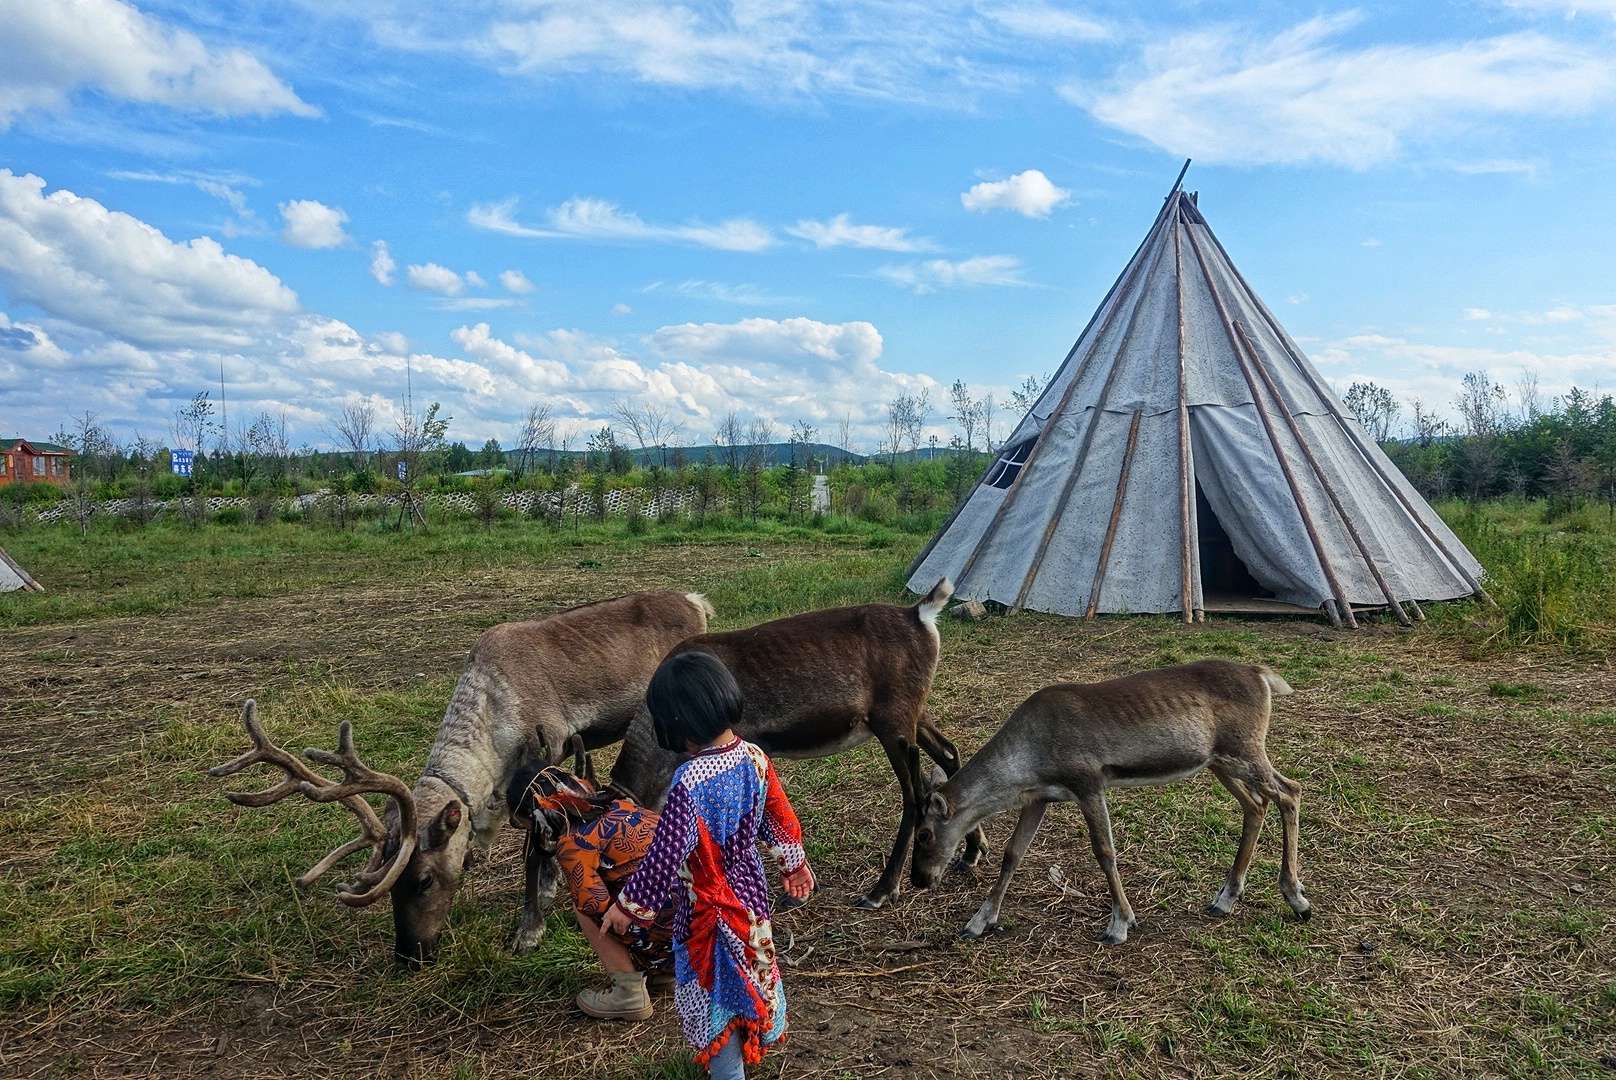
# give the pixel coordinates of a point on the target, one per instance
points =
(721, 803)
(597, 856)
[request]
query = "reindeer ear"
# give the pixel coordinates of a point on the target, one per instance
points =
(444, 826)
(937, 804)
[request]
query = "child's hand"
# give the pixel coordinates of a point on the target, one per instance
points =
(616, 920)
(799, 883)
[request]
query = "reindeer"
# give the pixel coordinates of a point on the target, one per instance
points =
(1069, 742)
(528, 689)
(816, 685)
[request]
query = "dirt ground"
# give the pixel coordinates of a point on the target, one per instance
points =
(1458, 844)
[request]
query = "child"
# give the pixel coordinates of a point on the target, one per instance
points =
(730, 999)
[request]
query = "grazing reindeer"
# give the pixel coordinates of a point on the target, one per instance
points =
(818, 684)
(1069, 742)
(527, 690)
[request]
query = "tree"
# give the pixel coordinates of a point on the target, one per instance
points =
(353, 430)
(492, 455)
(417, 439)
(1375, 408)
(989, 407)
(1031, 389)
(899, 411)
(915, 422)
(728, 435)
(192, 424)
(537, 430)
(649, 424)
(844, 434)
(967, 413)
(92, 446)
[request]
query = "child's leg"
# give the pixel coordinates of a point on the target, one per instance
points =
(728, 1064)
(614, 955)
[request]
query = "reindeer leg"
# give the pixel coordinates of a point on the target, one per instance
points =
(1288, 794)
(1099, 821)
(1255, 808)
(987, 916)
(540, 874)
(943, 751)
(888, 886)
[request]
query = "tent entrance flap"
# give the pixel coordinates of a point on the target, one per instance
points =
(1223, 576)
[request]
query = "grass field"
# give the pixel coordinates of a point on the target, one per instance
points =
(1458, 826)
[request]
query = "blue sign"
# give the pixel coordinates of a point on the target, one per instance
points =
(180, 461)
(402, 470)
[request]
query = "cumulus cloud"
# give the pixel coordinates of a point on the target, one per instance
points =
(55, 49)
(516, 282)
(597, 219)
(430, 277)
(931, 274)
(1030, 194)
(381, 262)
(840, 231)
(313, 225)
(1224, 96)
(106, 271)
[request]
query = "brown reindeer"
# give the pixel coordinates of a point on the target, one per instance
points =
(1069, 742)
(818, 684)
(527, 690)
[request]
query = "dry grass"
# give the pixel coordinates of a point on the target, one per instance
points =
(1458, 842)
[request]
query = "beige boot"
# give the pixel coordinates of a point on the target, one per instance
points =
(625, 999)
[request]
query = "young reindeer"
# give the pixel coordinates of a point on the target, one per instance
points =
(816, 685)
(527, 690)
(1069, 742)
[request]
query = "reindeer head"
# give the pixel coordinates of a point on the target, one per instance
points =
(417, 852)
(939, 835)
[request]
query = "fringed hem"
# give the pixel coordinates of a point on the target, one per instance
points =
(752, 1045)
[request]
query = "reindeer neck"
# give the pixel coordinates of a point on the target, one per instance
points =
(1000, 777)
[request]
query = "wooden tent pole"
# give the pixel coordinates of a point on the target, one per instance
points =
(1273, 441)
(1078, 463)
(1301, 365)
(1118, 289)
(1187, 569)
(1116, 514)
(1329, 491)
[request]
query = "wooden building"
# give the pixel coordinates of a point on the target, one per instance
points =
(25, 461)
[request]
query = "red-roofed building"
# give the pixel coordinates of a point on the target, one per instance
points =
(23, 461)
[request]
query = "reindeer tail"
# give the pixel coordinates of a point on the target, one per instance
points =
(934, 602)
(1276, 685)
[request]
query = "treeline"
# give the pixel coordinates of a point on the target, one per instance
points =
(1502, 443)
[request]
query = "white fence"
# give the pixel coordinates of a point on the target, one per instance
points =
(575, 501)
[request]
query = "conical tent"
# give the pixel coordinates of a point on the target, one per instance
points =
(14, 577)
(1187, 457)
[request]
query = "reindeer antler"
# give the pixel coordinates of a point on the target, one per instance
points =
(361, 779)
(380, 874)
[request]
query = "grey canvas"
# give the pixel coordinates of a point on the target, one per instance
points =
(10, 581)
(1184, 391)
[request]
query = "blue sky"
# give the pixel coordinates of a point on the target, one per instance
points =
(783, 208)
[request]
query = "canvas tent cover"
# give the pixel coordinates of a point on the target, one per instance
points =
(10, 580)
(1185, 390)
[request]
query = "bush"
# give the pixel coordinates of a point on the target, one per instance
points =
(230, 515)
(25, 493)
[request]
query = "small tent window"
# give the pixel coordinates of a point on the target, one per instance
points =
(1008, 467)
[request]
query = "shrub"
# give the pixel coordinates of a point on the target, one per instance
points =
(230, 515)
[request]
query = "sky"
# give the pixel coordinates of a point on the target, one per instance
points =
(787, 209)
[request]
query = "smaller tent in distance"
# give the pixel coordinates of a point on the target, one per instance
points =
(1187, 457)
(14, 577)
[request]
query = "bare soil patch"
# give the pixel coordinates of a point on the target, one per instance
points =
(1458, 843)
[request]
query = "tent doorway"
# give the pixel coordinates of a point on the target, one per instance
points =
(1224, 578)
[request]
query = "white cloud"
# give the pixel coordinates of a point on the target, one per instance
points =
(475, 280)
(730, 294)
(932, 274)
(313, 225)
(1042, 22)
(622, 309)
(531, 374)
(106, 271)
(56, 47)
(1477, 314)
(597, 219)
(1225, 96)
(1298, 298)
(430, 277)
(516, 282)
(1030, 194)
(1371, 242)
(381, 262)
(840, 231)
(1569, 9)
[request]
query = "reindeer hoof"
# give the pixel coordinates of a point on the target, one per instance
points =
(869, 902)
(967, 933)
(787, 902)
(1213, 911)
(963, 866)
(526, 941)
(1306, 913)
(1109, 938)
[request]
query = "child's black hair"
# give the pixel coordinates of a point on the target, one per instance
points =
(517, 797)
(692, 698)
